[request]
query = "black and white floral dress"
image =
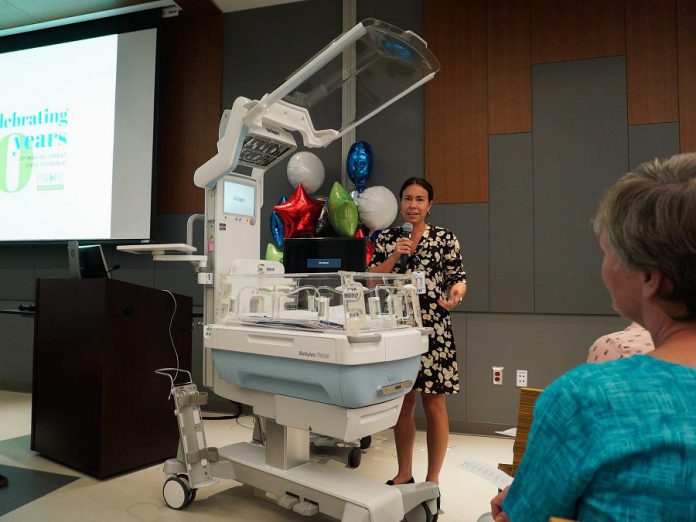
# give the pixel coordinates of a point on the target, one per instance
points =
(437, 255)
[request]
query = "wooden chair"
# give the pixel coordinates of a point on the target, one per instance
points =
(525, 416)
(525, 413)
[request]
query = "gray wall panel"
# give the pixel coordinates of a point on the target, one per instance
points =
(396, 134)
(407, 15)
(396, 138)
(580, 148)
(17, 272)
(647, 142)
(469, 222)
(545, 345)
(137, 269)
(51, 261)
(254, 63)
(511, 201)
(456, 404)
(16, 349)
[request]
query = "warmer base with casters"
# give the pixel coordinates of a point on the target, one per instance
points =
(283, 471)
(312, 488)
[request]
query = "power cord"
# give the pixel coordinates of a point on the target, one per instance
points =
(176, 373)
(171, 337)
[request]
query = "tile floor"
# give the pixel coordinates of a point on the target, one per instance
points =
(137, 496)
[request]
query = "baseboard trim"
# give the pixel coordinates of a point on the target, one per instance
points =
(487, 429)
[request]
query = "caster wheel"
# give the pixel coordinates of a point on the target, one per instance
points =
(354, 458)
(192, 491)
(176, 492)
(365, 442)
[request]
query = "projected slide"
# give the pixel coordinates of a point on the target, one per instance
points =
(56, 139)
(76, 139)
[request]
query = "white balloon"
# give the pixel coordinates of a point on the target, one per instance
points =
(306, 168)
(377, 207)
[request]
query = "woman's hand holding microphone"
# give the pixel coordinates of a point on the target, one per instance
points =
(403, 246)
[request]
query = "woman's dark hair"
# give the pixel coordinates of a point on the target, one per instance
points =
(417, 181)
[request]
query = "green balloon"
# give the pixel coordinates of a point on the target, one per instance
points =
(273, 254)
(338, 195)
(344, 218)
(343, 212)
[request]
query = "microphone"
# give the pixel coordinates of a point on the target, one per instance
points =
(115, 267)
(406, 230)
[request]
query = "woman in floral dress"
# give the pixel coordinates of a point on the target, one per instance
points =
(435, 260)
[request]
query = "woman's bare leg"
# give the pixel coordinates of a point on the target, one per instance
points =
(405, 438)
(438, 433)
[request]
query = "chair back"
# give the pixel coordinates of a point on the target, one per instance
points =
(525, 414)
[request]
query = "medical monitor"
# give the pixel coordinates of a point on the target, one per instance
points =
(239, 198)
(93, 263)
(324, 254)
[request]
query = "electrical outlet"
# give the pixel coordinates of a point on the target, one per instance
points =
(521, 378)
(498, 375)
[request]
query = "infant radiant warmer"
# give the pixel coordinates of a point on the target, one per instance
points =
(348, 343)
(331, 354)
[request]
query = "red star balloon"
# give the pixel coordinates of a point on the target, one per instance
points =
(369, 246)
(300, 214)
(370, 251)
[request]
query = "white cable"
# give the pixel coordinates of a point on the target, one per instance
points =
(171, 338)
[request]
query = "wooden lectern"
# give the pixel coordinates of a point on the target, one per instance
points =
(97, 404)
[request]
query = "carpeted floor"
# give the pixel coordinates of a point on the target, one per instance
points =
(25, 485)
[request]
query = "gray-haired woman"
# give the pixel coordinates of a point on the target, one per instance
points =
(617, 441)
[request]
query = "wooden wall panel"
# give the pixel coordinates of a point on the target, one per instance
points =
(190, 107)
(686, 22)
(576, 29)
(651, 61)
(456, 141)
(509, 67)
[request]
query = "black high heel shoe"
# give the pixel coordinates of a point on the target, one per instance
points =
(391, 482)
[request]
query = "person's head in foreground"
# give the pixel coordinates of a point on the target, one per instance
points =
(617, 441)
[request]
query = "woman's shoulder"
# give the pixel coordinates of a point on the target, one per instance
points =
(388, 234)
(441, 232)
(391, 231)
(598, 382)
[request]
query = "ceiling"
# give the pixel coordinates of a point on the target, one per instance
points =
(227, 6)
(27, 15)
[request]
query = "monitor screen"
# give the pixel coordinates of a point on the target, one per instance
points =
(92, 262)
(324, 254)
(239, 199)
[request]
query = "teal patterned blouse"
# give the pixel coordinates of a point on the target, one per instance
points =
(611, 441)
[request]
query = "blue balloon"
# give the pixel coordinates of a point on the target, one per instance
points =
(277, 228)
(359, 164)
